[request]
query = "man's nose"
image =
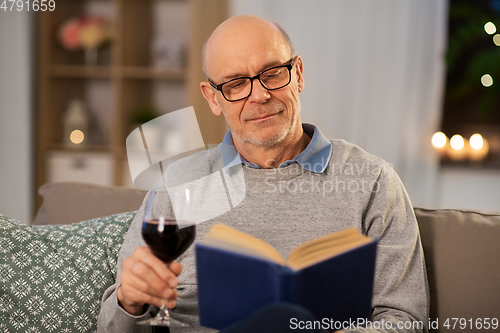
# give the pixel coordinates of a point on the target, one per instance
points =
(259, 93)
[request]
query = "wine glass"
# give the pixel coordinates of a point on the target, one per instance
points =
(168, 238)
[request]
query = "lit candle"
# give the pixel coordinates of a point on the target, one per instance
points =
(479, 147)
(458, 148)
(440, 143)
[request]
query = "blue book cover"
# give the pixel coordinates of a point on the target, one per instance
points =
(232, 286)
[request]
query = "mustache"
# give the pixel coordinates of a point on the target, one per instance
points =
(262, 111)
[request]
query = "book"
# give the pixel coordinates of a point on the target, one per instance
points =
(331, 276)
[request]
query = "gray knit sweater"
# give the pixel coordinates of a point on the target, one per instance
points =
(290, 205)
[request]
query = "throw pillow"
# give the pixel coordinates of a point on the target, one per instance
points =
(52, 277)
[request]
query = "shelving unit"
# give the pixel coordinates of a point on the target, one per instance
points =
(123, 80)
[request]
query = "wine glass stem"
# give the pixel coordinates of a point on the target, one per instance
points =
(164, 312)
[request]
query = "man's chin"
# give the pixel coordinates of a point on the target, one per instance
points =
(266, 141)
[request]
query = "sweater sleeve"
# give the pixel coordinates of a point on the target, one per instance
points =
(401, 293)
(112, 317)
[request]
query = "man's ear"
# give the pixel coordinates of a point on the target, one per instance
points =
(209, 94)
(299, 70)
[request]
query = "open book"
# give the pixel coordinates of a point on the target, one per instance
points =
(332, 275)
(307, 254)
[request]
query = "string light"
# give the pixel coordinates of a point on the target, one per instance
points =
(496, 39)
(487, 80)
(490, 28)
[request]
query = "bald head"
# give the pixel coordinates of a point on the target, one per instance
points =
(243, 35)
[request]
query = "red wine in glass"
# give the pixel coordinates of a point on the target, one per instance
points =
(167, 238)
(167, 242)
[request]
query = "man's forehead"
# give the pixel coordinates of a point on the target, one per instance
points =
(246, 66)
(234, 60)
(242, 43)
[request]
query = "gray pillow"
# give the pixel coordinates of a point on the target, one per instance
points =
(52, 277)
(67, 202)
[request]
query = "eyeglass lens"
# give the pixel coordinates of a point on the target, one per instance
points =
(273, 78)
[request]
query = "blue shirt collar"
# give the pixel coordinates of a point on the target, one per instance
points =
(314, 158)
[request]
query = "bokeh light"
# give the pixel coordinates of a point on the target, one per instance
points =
(490, 28)
(496, 39)
(457, 142)
(476, 141)
(439, 140)
(76, 137)
(487, 80)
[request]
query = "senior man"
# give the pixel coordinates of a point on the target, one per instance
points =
(299, 185)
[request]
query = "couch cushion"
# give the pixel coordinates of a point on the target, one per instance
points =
(462, 253)
(52, 277)
(66, 202)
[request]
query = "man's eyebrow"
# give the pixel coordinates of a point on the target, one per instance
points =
(266, 66)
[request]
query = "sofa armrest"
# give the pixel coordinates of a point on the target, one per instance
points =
(462, 253)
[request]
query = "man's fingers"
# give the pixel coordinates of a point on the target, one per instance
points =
(146, 281)
(176, 268)
(145, 255)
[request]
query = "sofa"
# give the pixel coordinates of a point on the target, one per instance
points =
(53, 273)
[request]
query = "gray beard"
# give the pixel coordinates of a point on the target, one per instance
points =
(267, 143)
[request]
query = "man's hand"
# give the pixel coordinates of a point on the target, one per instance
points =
(145, 279)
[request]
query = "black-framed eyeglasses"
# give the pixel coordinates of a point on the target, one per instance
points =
(241, 87)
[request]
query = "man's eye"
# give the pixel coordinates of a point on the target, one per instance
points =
(235, 85)
(272, 74)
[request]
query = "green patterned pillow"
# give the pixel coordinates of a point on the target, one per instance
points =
(52, 277)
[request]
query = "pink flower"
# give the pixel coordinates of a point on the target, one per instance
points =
(69, 34)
